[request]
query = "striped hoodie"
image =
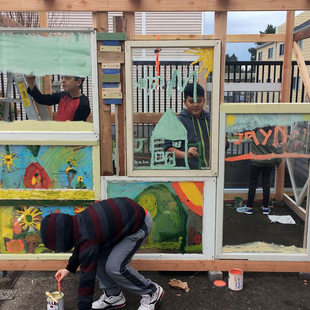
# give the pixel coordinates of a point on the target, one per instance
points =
(98, 228)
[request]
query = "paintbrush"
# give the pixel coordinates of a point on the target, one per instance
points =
(59, 285)
(48, 294)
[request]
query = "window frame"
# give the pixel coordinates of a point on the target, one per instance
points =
(214, 117)
(270, 52)
(47, 132)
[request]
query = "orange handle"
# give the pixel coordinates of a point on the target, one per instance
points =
(59, 285)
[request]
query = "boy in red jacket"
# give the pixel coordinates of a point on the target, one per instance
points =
(72, 105)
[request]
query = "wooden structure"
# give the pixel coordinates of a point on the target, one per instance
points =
(100, 11)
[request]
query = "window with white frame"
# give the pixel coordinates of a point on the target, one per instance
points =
(172, 119)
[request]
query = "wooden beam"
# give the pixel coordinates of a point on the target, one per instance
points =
(220, 31)
(255, 37)
(172, 265)
(152, 6)
(307, 212)
(100, 22)
(285, 92)
(302, 34)
(293, 206)
(303, 71)
(229, 37)
(123, 24)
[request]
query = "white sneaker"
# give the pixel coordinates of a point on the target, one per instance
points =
(150, 302)
(110, 302)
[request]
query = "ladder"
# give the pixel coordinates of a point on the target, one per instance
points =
(33, 110)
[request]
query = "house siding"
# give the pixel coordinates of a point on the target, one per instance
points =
(299, 19)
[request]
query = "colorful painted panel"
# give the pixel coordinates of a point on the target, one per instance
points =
(176, 208)
(20, 227)
(35, 167)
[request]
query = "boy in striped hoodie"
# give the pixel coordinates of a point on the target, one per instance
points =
(105, 236)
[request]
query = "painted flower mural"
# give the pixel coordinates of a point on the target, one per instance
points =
(15, 245)
(36, 177)
(29, 218)
(8, 160)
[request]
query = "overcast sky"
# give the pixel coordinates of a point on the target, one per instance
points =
(245, 22)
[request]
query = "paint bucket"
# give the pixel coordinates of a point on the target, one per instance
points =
(238, 201)
(53, 305)
(235, 279)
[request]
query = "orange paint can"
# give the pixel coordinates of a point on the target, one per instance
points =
(235, 279)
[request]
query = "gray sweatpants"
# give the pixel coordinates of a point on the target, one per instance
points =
(113, 271)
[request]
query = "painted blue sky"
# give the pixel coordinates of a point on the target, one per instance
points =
(245, 23)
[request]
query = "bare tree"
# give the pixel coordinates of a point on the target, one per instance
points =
(31, 19)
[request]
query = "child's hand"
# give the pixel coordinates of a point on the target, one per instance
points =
(31, 81)
(192, 152)
(61, 274)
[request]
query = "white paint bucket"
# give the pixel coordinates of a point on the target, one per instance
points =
(53, 305)
(235, 279)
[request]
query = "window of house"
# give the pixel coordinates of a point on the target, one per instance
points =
(281, 49)
(300, 44)
(260, 55)
(270, 52)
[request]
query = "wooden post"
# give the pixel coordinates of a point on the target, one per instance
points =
(302, 68)
(100, 22)
(307, 212)
(285, 90)
(122, 24)
(125, 24)
(220, 32)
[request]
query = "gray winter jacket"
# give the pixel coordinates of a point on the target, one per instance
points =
(198, 135)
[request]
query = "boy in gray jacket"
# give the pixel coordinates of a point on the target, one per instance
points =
(197, 123)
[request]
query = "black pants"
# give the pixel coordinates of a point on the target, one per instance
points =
(265, 171)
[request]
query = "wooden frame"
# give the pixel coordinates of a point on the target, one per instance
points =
(214, 107)
(251, 108)
(151, 6)
(208, 216)
(171, 265)
(44, 131)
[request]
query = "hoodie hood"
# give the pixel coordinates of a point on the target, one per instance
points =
(57, 232)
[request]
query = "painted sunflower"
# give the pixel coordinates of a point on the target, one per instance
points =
(29, 217)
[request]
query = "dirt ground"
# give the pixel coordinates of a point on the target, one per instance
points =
(243, 228)
(261, 291)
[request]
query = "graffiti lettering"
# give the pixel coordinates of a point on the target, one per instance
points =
(150, 83)
(280, 136)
